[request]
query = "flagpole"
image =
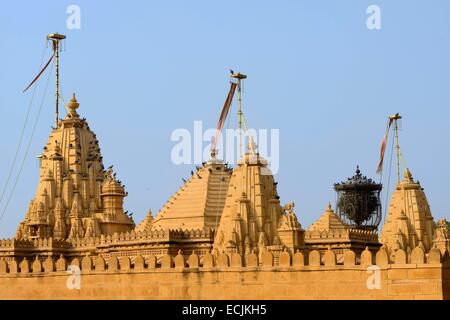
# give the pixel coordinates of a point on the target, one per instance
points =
(56, 39)
(395, 119)
(239, 76)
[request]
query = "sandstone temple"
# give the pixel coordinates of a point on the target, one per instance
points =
(225, 234)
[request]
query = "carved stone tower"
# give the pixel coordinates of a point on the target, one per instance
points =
(252, 213)
(409, 222)
(75, 197)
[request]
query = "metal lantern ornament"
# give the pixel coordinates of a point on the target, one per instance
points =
(358, 201)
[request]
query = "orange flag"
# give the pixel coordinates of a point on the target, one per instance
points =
(39, 74)
(383, 147)
(223, 114)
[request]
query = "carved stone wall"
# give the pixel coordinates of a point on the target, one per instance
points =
(230, 277)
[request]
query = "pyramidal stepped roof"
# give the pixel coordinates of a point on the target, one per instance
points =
(200, 200)
(328, 221)
(75, 196)
(146, 224)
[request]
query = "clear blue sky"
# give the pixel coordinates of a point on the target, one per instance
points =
(143, 69)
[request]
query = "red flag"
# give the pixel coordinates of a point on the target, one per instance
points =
(223, 115)
(383, 147)
(39, 74)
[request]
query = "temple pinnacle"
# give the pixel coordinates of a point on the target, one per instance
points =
(73, 106)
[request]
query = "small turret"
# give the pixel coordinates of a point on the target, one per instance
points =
(112, 193)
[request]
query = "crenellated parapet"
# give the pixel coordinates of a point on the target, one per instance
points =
(158, 241)
(183, 261)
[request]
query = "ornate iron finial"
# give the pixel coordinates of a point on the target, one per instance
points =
(358, 201)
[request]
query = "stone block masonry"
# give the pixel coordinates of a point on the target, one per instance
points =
(178, 277)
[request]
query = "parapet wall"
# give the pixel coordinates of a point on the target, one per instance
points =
(230, 277)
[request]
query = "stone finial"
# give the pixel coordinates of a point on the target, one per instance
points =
(329, 258)
(418, 255)
(366, 257)
(298, 260)
(13, 266)
(285, 259)
(3, 266)
(236, 260)
(100, 264)
(408, 176)
(86, 264)
(382, 257)
(251, 260)
(267, 259)
(434, 256)
(223, 260)
(113, 264)
(349, 258)
(61, 264)
(73, 103)
(208, 260)
(151, 262)
(167, 261)
(37, 265)
(49, 264)
(179, 260)
(125, 263)
(193, 260)
(314, 258)
(25, 266)
(400, 256)
(139, 263)
(75, 262)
